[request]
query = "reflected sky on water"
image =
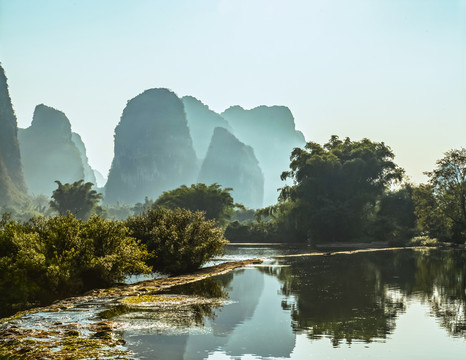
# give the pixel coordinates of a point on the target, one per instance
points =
(381, 305)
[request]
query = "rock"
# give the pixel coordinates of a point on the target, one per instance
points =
(101, 180)
(270, 130)
(12, 184)
(202, 121)
(231, 163)
(89, 175)
(48, 151)
(153, 149)
(72, 333)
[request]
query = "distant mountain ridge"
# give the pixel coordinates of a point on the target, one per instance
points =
(12, 183)
(89, 175)
(48, 151)
(231, 163)
(153, 149)
(202, 121)
(161, 142)
(271, 132)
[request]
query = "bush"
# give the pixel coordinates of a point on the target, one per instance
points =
(50, 258)
(181, 240)
(423, 241)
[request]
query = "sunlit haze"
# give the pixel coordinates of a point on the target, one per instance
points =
(389, 70)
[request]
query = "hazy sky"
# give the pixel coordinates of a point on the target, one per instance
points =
(389, 70)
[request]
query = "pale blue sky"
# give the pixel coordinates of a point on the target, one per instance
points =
(389, 70)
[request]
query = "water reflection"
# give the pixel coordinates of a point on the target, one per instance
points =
(358, 297)
(234, 328)
(193, 305)
(441, 280)
(347, 298)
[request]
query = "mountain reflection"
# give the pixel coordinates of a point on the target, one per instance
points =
(343, 297)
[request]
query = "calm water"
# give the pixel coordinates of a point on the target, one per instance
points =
(383, 305)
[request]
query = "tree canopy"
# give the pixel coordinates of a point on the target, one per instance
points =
(336, 188)
(77, 198)
(441, 204)
(217, 203)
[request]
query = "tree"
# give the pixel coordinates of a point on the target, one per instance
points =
(180, 239)
(336, 188)
(77, 198)
(395, 220)
(217, 203)
(441, 204)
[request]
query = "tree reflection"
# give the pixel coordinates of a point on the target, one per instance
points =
(358, 297)
(348, 298)
(441, 280)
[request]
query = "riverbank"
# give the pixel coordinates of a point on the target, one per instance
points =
(73, 329)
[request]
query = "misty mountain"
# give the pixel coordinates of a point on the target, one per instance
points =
(272, 134)
(202, 121)
(48, 151)
(100, 179)
(89, 175)
(231, 163)
(153, 149)
(12, 184)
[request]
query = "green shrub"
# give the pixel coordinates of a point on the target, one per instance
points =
(50, 258)
(181, 240)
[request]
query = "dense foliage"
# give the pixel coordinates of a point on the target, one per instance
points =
(77, 198)
(394, 220)
(49, 258)
(336, 188)
(217, 203)
(441, 204)
(255, 232)
(181, 240)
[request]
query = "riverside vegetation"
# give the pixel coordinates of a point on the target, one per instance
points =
(45, 259)
(352, 191)
(343, 191)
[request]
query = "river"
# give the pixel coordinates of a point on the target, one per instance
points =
(402, 304)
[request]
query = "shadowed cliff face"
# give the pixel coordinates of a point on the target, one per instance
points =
(89, 175)
(100, 179)
(12, 185)
(153, 149)
(202, 121)
(48, 152)
(271, 133)
(231, 163)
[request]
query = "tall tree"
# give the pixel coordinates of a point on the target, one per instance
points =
(441, 204)
(217, 203)
(77, 198)
(395, 220)
(336, 187)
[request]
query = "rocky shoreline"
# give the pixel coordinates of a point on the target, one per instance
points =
(52, 332)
